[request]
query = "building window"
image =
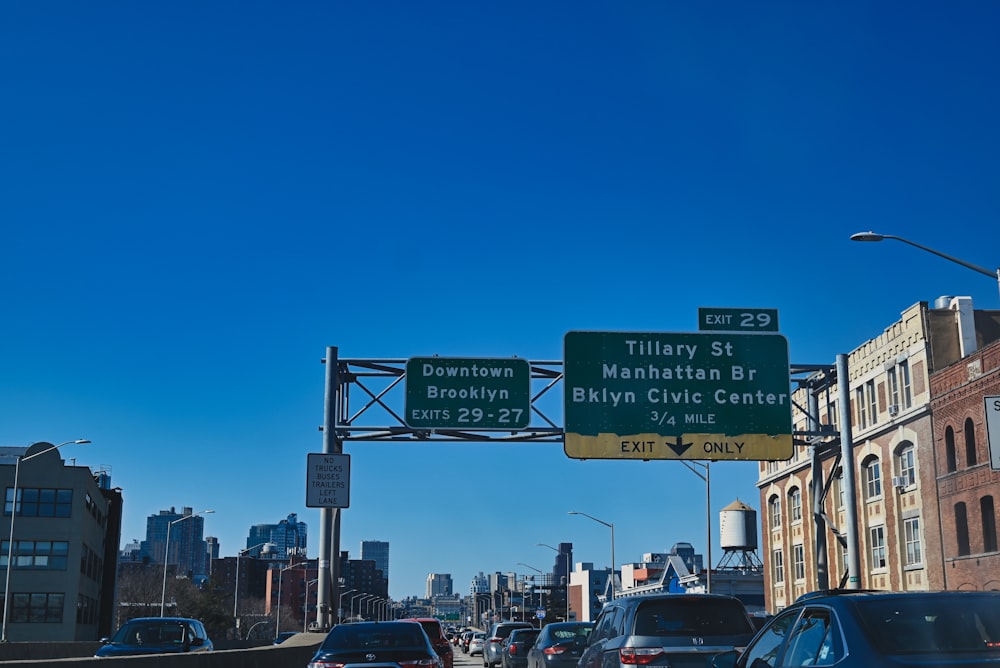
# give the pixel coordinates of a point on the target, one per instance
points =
(799, 562)
(34, 502)
(774, 505)
(904, 380)
(36, 555)
(841, 491)
(951, 462)
(872, 404)
(873, 479)
(859, 400)
(962, 529)
(989, 524)
(37, 608)
(907, 468)
(779, 567)
(877, 535)
(970, 442)
(795, 504)
(893, 388)
(911, 536)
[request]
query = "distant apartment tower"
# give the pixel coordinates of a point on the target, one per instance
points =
(438, 584)
(188, 548)
(377, 551)
(288, 537)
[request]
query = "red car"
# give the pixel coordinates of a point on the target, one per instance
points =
(435, 632)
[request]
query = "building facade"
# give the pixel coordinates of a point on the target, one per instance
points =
(439, 584)
(188, 549)
(894, 452)
(968, 483)
(66, 531)
(283, 541)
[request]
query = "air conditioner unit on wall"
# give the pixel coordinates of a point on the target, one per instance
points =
(900, 481)
(893, 409)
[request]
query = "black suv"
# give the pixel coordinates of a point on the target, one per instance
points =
(493, 645)
(666, 629)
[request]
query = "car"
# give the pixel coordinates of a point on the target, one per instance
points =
(395, 643)
(157, 635)
(463, 641)
(559, 645)
(435, 632)
(494, 639)
(516, 646)
(476, 642)
(878, 628)
(666, 629)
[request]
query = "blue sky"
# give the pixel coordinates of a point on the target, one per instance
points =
(196, 198)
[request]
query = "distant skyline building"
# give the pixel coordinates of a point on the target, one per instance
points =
(377, 551)
(188, 547)
(439, 584)
(289, 537)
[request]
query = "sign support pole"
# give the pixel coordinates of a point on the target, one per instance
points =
(847, 464)
(328, 568)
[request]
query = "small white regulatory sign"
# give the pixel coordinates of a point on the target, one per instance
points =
(328, 481)
(993, 430)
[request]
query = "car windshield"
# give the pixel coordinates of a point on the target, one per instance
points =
(959, 623)
(691, 617)
(150, 633)
(351, 636)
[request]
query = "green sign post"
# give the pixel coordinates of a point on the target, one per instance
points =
(467, 393)
(715, 396)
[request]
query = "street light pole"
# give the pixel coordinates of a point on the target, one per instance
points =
(708, 515)
(305, 607)
(611, 526)
(340, 611)
(541, 589)
(236, 589)
(874, 236)
(166, 557)
(13, 514)
(277, 620)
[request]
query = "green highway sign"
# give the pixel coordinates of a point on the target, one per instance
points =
(738, 319)
(468, 393)
(662, 395)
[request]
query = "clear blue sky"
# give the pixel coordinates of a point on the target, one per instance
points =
(196, 198)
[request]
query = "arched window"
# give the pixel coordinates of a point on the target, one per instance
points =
(988, 514)
(949, 450)
(962, 529)
(970, 442)
(906, 465)
(795, 504)
(774, 510)
(873, 478)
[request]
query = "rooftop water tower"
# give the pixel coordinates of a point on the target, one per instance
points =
(738, 531)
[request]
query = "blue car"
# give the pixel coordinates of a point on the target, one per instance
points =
(851, 628)
(157, 635)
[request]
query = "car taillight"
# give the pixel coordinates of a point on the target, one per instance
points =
(496, 639)
(555, 649)
(639, 656)
(513, 649)
(327, 664)
(419, 663)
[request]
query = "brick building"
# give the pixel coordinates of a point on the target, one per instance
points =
(968, 489)
(900, 467)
